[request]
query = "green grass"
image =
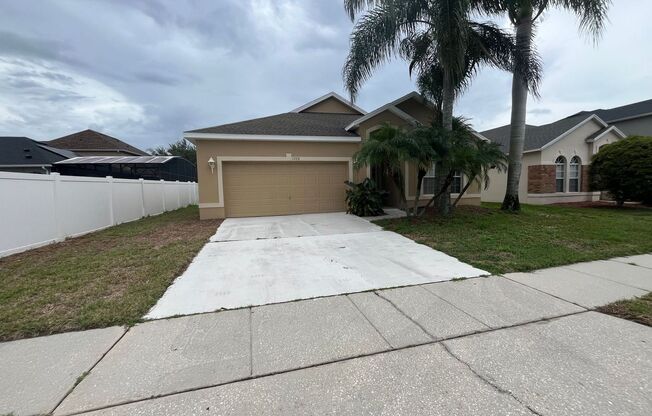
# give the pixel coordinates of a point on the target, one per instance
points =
(637, 309)
(538, 237)
(111, 277)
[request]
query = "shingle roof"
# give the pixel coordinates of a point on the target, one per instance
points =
(622, 112)
(92, 140)
(535, 136)
(25, 151)
(289, 124)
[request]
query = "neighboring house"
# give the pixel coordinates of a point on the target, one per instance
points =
(169, 168)
(297, 162)
(92, 143)
(22, 154)
(556, 159)
(632, 119)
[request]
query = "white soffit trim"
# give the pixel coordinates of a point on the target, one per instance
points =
(387, 106)
(593, 117)
(324, 97)
(610, 129)
(271, 138)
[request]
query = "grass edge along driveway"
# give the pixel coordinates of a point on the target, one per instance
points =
(109, 277)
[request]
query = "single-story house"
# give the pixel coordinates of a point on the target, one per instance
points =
(93, 143)
(24, 155)
(297, 162)
(556, 158)
(168, 168)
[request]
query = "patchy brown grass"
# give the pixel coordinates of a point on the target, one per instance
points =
(111, 277)
(637, 309)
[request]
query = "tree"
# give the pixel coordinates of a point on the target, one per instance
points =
(624, 169)
(523, 15)
(180, 148)
(387, 147)
(443, 45)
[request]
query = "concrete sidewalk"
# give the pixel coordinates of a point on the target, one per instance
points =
(526, 343)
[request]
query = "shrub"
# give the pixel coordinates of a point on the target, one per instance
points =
(364, 199)
(624, 169)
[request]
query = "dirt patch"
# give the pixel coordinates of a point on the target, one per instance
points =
(637, 310)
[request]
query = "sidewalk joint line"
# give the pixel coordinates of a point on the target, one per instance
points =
(406, 315)
(601, 277)
(370, 323)
(487, 381)
(335, 361)
(455, 306)
(251, 342)
(549, 294)
(88, 372)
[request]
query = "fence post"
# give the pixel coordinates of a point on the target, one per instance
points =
(109, 181)
(142, 197)
(178, 195)
(58, 227)
(163, 193)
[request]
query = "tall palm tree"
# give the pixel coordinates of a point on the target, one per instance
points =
(523, 15)
(444, 46)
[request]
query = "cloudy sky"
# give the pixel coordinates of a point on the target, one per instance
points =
(145, 70)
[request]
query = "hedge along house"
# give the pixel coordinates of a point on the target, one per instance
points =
(297, 162)
(556, 159)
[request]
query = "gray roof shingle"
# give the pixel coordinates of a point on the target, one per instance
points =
(289, 124)
(25, 151)
(535, 136)
(622, 112)
(92, 140)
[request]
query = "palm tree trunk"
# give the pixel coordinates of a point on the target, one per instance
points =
(462, 192)
(519, 110)
(417, 197)
(443, 168)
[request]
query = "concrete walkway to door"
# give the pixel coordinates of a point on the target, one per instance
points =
(258, 261)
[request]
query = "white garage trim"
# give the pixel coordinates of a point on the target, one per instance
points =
(220, 176)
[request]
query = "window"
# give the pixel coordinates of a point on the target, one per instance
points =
(574, 172)
(429, 182)
(456, 185)
(560, 174)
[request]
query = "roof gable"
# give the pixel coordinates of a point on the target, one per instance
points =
(330, 103)
(624, 112)
(93, 140)
(541, 137)
(393, 107)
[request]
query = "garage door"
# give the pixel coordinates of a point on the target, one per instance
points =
(279, 188)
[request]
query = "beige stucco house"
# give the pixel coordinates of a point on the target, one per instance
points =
(556, 159)
(297, 162)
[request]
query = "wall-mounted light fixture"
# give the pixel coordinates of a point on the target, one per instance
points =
(211, 163)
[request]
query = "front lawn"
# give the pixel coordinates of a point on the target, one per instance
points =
(111, 277)
(538, 237)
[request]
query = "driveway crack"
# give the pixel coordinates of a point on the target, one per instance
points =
(368, 320)
(489, 382)
(406, 315)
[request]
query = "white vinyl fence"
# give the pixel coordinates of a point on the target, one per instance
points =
(40, 209)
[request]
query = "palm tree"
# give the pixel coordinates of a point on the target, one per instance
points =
(386, 147)
(444, 46)
(523, 15)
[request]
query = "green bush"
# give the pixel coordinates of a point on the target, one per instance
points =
(364, 199)
(624, 169)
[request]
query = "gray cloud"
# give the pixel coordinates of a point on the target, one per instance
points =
(146, 70)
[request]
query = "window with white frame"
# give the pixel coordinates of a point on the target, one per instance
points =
(456, 185)
(574, 172)
(560, 174)
(429, 182)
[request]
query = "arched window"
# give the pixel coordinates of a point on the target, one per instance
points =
(560, 174)
(574, 173)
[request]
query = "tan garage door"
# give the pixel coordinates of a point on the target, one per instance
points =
(279, 188)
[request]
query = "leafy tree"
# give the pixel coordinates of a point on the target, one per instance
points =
(180, 148)
(523, 15)
(439, 39)
(624, 169)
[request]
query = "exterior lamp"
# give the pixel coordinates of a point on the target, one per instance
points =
(211, 163)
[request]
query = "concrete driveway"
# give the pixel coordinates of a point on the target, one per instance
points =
(258, 261)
